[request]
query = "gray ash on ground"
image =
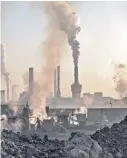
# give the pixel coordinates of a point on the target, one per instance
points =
(114, 139)
(104, 143)
(16, 145)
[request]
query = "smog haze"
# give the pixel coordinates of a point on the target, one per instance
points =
(102, 40)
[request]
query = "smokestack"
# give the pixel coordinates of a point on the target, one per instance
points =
(58, 82)
(55, 83)
(7, 84)
(2, 96)
(31, 80)
(4, 71)
(64, 16)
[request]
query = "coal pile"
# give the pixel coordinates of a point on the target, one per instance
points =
(114, 139)
(16, 145)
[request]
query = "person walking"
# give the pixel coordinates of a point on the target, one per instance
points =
(38, 124)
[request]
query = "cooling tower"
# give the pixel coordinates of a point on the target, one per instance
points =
(31, 80)
(58, 82)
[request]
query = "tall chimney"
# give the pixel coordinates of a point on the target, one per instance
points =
(2, 96)
(76, 87)
(7, 84)
(31, 80)
(58, 82)
(55, 83)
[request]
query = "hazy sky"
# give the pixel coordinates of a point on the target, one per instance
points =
(103, 39)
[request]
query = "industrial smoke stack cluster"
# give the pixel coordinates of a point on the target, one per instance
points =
(68, 22)
(57, 92)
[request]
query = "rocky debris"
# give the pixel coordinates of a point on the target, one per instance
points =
(16, 145)
(114, 139)
(81, 145)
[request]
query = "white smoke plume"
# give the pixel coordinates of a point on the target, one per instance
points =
(62, 26)
(120, 80)
(87, 99)
(14, 86)
(13, 106)
(83, 110)
(25, 80)
(16, 127)
(36, 99)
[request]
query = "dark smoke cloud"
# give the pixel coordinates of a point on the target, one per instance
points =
(120, 80)
(67, 21)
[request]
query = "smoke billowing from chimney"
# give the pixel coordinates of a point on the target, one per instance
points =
(67, 21)
(4, 69)
(120, 80)
(62, 25)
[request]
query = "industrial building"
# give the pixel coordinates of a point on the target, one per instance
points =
(96, 104)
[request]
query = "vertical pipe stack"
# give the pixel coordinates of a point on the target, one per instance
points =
(7, 84)
(55, 83)
(76, 87)
(58, 82)
(76, 74)
(31, 80)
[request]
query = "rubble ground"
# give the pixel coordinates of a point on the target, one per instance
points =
(104, 143)
(114, 139)
(17, 145)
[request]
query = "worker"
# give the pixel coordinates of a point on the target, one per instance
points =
(38, 123)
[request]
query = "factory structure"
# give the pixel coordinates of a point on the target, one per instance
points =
(57, 103)
(87, 100)
(94, 105)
